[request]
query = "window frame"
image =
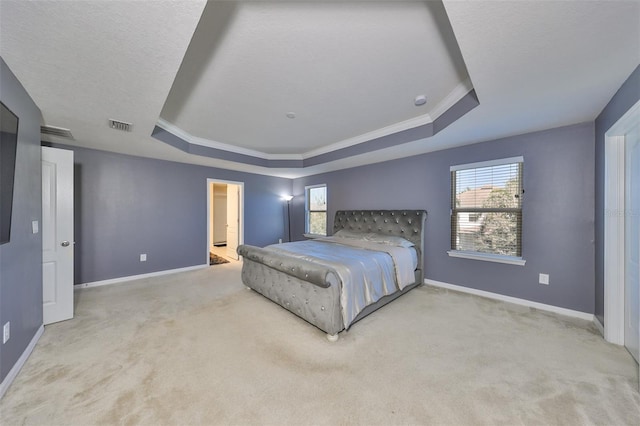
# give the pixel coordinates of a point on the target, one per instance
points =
(476, 255)
(308, 211)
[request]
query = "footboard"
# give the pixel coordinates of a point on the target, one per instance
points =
(307, 289)
(312, 290)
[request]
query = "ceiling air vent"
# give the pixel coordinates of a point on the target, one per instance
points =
(56, 131)
(120, 125)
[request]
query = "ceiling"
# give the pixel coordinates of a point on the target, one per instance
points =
(224, 75)
(344, 69)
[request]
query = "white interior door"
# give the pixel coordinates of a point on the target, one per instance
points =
(57, 234)
(632, 242)
(233, 219)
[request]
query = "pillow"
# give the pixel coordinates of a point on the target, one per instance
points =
(374, 238)
(388, 239)
(344, 233)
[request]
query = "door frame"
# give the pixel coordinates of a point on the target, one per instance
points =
(62, 228)
(614, 225)
(211, 181)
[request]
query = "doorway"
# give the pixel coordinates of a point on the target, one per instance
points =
(622, 232)
(57, 235)
(225, 220)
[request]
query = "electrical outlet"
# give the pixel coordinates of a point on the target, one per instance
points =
(544, 279)
(6, 332)
(279, 240)
(143, 257)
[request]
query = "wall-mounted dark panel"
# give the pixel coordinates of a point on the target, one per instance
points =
(8, 147)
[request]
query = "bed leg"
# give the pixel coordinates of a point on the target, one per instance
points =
(332, 337)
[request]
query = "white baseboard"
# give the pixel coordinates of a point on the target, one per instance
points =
(137, 277)
(598, 325)
(13, 373)
(515, 300)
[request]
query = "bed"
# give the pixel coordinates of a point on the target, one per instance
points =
(372, 257)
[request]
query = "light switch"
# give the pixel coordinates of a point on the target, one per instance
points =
(34, 226)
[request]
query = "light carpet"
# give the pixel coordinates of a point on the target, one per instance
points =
(198, 348)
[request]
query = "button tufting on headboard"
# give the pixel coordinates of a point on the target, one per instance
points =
(395, 222)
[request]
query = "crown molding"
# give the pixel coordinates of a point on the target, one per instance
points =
(378, 133)
(184, 135)
(451, 99)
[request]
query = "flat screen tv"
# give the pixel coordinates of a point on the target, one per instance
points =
(8, 146)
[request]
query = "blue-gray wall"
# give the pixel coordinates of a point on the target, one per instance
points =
(126, 205)
(625, 98)
(21, 258)
(558, 211)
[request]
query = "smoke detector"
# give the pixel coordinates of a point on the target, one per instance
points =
(420, 100)
(120, 125)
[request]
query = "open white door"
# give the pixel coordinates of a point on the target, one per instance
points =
(233, 219)
(632, 242)
(57, 235)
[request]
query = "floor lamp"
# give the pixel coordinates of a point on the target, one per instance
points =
(288, 199)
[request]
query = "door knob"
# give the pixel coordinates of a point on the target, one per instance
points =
(65, 244)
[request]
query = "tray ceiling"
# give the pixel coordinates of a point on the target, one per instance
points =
(221, 77)
(347, 71)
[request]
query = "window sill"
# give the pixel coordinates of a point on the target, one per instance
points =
(510, 260)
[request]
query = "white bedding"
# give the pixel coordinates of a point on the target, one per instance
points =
(368, 270)
(405, 259)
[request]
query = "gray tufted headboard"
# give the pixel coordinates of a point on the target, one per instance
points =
(408, 224)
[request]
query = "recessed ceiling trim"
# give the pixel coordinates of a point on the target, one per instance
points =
(456, 95)
(182, 134)
(180, 141)
(386, 131)
(206, 151)
(458, 92)
(378, 133)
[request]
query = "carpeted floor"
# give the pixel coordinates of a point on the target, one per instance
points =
(198, 348)
(214, 259)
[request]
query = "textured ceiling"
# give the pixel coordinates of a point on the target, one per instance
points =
(346, 69)
(534, 65)
(84, 62)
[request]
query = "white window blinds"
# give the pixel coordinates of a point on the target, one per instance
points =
(486, 207)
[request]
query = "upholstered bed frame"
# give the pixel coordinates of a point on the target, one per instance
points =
(311, 290)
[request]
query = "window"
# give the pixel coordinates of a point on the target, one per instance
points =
(316, 209)
(486, 210)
